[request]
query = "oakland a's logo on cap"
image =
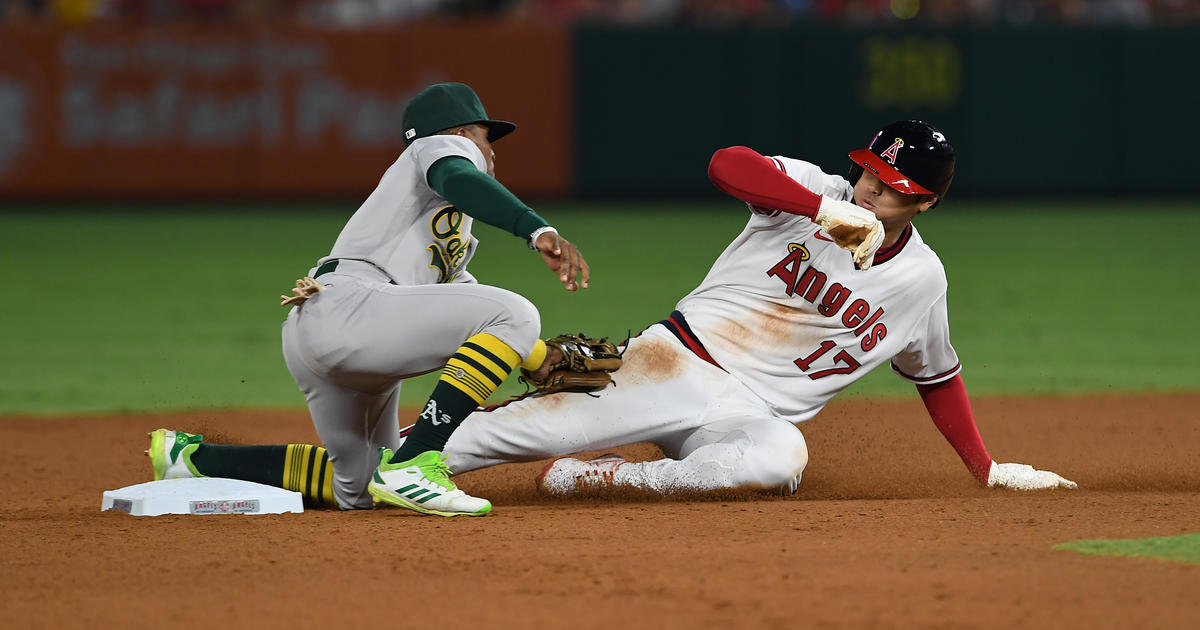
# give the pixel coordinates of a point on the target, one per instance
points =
(890, 153)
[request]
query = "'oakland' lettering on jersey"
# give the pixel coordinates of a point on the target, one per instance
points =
(387, 230)
(448, 248)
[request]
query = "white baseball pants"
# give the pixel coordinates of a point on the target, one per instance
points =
(714, 431)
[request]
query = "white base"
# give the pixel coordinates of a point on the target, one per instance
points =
(201, 495)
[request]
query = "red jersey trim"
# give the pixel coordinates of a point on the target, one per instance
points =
(678, 327)
(889, 253)
(507, 402)
(929, 379)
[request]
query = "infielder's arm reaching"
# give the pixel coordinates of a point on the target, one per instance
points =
(481, 196)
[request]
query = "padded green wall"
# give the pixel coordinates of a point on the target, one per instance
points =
(1042, 111)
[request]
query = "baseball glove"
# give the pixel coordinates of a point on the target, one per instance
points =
(584, 367)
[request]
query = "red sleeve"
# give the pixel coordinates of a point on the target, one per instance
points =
(950, 409)
(744, 174)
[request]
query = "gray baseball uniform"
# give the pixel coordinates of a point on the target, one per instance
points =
(398, 302)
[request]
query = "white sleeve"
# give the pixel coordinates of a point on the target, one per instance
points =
(929, 358)
(813, 178)
(433, 148)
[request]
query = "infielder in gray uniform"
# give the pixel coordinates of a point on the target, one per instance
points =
(394, 299)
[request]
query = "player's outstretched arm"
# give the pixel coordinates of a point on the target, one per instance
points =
(564, 258)
(950, 409)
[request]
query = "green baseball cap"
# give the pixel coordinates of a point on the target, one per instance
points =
(445, 105)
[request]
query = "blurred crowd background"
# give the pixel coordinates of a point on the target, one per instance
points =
(363, 13)
(302, 99)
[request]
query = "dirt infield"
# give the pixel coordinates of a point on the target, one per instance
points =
(887, 531)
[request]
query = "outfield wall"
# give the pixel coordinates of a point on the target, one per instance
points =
(239, 112)
(110, 112)
(1035, 111)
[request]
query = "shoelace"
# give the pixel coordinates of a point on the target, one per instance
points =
(439, 473)
(605, 470)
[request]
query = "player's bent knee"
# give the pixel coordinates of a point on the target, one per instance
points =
(525, 315)
(516, 318)
(777, 458)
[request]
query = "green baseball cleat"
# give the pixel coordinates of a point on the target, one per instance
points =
(422, 484)
(171, 454)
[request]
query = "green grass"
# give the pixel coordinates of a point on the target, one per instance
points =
(177, 308)
(1185, 548)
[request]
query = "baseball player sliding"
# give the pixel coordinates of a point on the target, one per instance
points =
(785, 319)
(394, 299)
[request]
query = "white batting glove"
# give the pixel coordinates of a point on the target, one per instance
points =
(1023, 477)
(852, 227)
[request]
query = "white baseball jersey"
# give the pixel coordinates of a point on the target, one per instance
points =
(407, 229)
(784, 310)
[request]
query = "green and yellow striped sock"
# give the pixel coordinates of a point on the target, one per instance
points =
(473, 372)
(302, 468)
(306, 470)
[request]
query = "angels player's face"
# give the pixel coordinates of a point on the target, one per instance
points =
(894, 208)
(478, 134)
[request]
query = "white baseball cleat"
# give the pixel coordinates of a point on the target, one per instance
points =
(563, 476)
(422, 484)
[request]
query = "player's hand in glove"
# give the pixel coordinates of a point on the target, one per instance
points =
(564, 258)
(574, 363)
(852, 227)
(1023, 477)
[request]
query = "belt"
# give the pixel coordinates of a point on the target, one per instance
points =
(326, 268)
(330, 266)
(679, 327)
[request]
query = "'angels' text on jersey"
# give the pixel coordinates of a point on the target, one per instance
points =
(811, 284)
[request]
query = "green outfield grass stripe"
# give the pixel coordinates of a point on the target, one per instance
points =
(1032, 312)
(1185, 548)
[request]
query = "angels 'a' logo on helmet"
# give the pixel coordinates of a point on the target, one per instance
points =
(891, 153)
